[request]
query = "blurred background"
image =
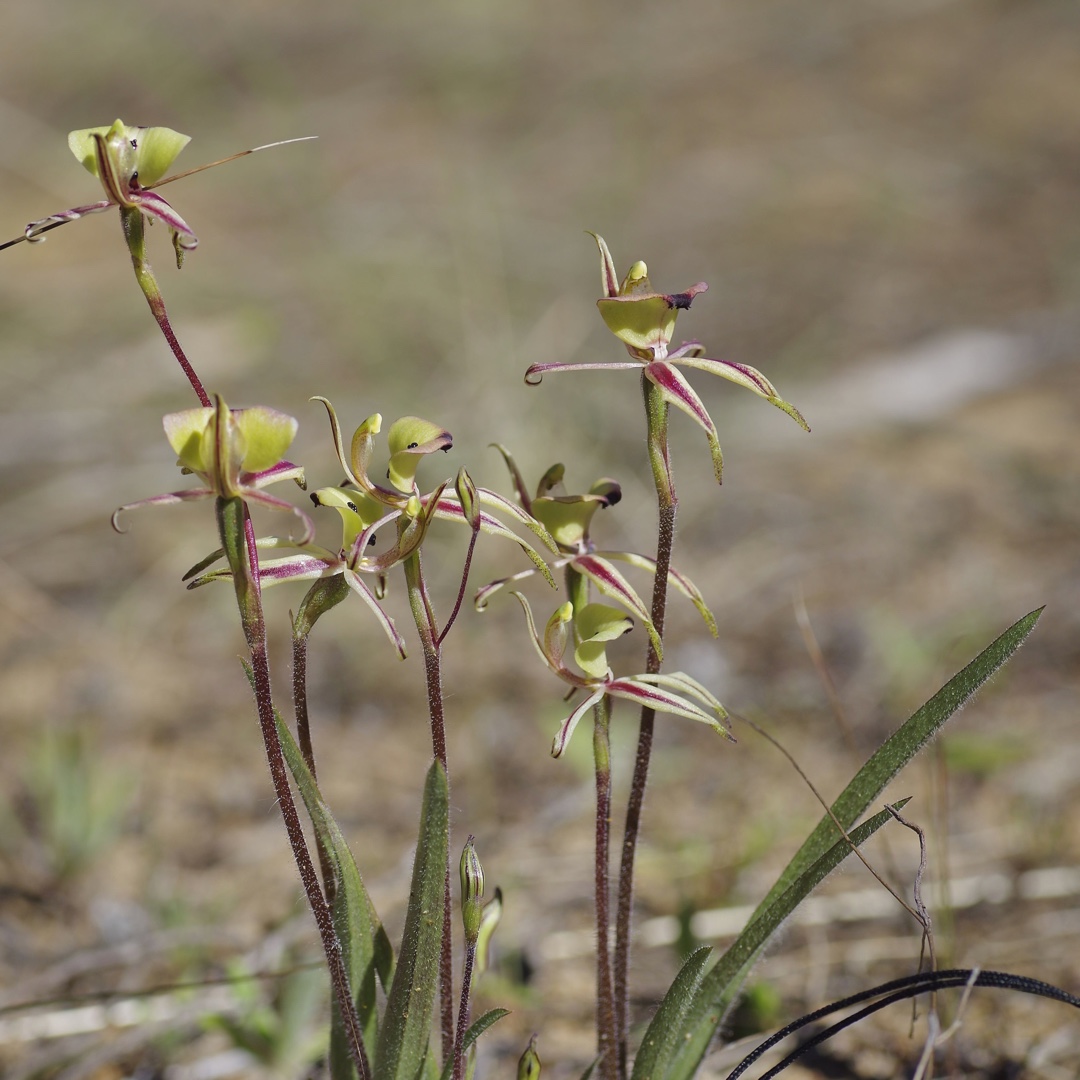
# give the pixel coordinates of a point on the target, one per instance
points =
(882, 196)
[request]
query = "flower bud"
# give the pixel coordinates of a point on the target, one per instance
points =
(472, 890)
(529, 1065)
(488, 924)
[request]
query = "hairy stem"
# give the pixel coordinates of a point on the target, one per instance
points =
(428, 631)
(606, 1031)
(303, 738)
(463, 1010)
(656, 411)
(238, 540)
(134, 233)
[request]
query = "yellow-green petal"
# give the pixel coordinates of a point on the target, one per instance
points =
(187, 432)
(267, 433)
(158, 148)
(148, 151)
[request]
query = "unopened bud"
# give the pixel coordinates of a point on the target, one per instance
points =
(472, 890)
(529, 1065)
(467, 495)
(488, 923)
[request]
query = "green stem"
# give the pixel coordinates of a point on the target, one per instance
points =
(131, 219)
(428, 631)
(656, 413)
(238, 540)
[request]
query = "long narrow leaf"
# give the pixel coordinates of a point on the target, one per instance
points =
(717, 989)
(406, 1027)
(364, 943)
(662, 1037)
(904, 744)
(722, 983)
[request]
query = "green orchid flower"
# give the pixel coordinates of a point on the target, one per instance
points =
(590, 628)
(644, 321)
(130, 161)
(366, 507)
(236, 453)
(410, 440)
(568, 518)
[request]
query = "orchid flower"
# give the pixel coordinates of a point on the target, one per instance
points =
(366, 507)
(644, 321)
(235, 453)
(592, 627)
(130, 161)
(568, 518)
(363, 512)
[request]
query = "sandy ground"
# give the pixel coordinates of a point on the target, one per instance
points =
(882, 197)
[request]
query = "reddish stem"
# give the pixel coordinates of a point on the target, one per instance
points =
(131, 219)
(243, 557)
(659, 453)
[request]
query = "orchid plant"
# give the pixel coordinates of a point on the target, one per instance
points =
(235, 454)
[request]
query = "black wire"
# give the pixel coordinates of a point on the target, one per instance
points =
(894, 991)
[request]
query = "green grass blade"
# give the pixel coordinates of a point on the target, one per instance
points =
(720, 986)
(663, 1034)
(364, 943)
(406, 1026)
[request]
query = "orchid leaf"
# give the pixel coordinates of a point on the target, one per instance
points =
(364, 944)
(476, 1029)
(662, 1036)
(406, 1026)
(717, 989)
(720, 987)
